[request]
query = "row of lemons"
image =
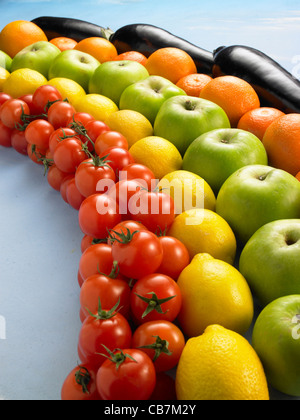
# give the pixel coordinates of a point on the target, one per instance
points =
(210, 283)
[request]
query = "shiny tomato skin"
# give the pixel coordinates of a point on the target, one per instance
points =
(96, 258)
(11, 111)
(97, 214)
(42, 95)
(114, 332)
(58, 135)
(74, 197)
(142, 255)
(117, 158)
(72, 391)
(60, 113)
(88, 175)
(55, 177)
(38, 132)
(133, 380)
(176, 257)
(5, 135)
(146, 334)
(164, 287)
(109, 290)
(19, 142)
(140, 173)
(110, 139)
(68, 154)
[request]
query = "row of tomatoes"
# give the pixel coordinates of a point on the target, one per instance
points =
(129, 297)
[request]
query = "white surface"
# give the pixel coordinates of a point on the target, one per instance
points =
(39, 294)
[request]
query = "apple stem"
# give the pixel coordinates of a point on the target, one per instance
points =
(189, 106)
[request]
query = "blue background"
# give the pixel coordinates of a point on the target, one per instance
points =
(39, 233)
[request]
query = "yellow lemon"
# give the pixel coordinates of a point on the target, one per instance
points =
(69, 89)
(99, 106)
(220, 365)
(4, 74)
(188, 191)
(214, 292)
(23, 82)
(158, 154)
(132, 124)
(204, 231)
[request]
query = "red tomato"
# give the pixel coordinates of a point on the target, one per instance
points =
(162, 340)
(35, 154)
(156, 210)
(5, 135)
(80, 118)
(117, 158)
(139, 173)
(64, 185)
(93, 175)
(42, 96)
(58, 135)
(109, 289)
(55, 177)
(176, 257)
(12, 112)
(80, 384)
(95, 129)
(68, 154)
(122, 227)
(38, 132)
(4, 97)
(96, 259)
(74, 197)
(18, 141)
(110, 139)
(60, 113)
(155, 297)
(106, 326)
(138, 253)
(97, 214)
(127, 374)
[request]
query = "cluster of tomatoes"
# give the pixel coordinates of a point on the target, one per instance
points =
(129, 297)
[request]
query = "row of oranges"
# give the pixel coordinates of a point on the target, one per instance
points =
(237, 97)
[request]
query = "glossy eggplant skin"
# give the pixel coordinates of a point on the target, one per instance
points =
(67, 27)
(275, 86)
(148, 38)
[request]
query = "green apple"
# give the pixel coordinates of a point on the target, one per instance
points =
(182, 119)
(5, 61)
(270, 260)
(256, 195)
(276, 340)
(113, 77)
(216, 155)
(38, 56)
(75, 65)
(147, 96)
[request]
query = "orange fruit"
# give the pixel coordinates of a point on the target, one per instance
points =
(193, 84)
(170, 63)
(298, 176)
(258, 120)
(63, 43)
(100, 48)
(132, 56)
(19, 34)
(282, 143)
(234, 95)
